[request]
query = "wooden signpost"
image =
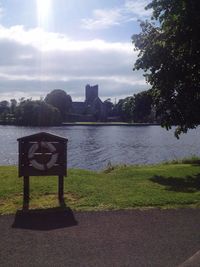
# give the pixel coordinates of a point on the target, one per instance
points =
(42, 154)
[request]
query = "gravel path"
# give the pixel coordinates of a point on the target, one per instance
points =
(115, 238)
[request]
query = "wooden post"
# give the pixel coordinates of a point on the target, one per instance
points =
(60, 188)
(26, 193)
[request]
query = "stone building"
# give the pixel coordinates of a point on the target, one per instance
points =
(92, 109)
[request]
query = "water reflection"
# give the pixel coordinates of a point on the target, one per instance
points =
(93, 147)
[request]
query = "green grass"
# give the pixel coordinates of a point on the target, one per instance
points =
(118, 187)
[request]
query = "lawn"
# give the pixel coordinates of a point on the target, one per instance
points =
(121, 187)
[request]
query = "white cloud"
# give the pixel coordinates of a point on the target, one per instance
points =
(136, 8)
(103, 18)
(132, 10)
(34, 62)
(48, 41)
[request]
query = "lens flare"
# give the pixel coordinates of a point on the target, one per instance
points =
(43, 11)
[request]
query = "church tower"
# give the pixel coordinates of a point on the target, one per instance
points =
(91, 93)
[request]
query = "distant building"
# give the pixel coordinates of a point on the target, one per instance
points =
(92, 109)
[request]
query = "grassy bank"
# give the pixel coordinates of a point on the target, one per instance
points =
(166, 186)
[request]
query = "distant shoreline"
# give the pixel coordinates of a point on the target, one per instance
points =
(87, 124)
(108, 124)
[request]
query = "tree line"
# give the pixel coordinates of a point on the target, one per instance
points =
(57, 105)
(50, 111)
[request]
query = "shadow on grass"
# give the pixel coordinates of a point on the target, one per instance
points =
(188, 184)
(45, 219)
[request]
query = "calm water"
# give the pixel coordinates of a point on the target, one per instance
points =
(92, 147)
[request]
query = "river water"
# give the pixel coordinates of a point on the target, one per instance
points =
(93, 147)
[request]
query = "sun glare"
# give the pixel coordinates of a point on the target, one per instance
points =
(43, 11)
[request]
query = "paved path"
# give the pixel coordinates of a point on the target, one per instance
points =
(116, 238)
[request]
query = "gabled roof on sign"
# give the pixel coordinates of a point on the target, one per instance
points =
(42, 135)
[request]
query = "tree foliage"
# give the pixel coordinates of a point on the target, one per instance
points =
(36, 113)
(142, 106)
(136, 108)
(108, 107)
(123, 109)
(59, 99)
(4, 110)
(127, 106)
(13, 105)
(169, 53)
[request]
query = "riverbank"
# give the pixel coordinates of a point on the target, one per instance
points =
(107, 124)
(87, 124)
(121, 187)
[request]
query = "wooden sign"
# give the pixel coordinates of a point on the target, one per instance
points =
(42, 154)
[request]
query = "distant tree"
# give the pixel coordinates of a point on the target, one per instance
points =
(108, 107)
(22, 99)
(117, 109)
(169, 53)
(59, 99)
(37, 113)
(123, 109)
(4, 110)
(127, 108)
(4, 106)
(13, 105)
(96, 109)
(136, 108)
(142, 106)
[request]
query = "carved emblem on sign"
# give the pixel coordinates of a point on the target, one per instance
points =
(43, 166)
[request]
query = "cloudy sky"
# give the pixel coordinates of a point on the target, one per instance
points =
(66, 44)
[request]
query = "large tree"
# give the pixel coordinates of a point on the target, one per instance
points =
(61, 100)
(169, 53)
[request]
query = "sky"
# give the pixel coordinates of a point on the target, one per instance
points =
(66, 44)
